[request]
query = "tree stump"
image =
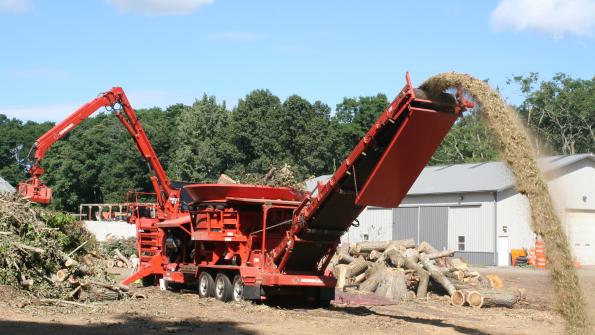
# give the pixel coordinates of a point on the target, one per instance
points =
(392, 285)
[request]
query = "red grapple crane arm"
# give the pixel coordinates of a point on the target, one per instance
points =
(114, 99)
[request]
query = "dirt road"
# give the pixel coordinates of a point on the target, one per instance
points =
(184, 313)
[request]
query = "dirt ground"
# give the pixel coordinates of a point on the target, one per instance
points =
(184, 313)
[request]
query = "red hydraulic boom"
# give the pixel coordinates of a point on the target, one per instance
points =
(114, 100)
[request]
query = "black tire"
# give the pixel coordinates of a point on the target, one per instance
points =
(148, 281)
(223, 287)
(237, 288)
(206, 285)
(322, 304)
(175, 287)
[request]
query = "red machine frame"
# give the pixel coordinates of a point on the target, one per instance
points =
(258, 242)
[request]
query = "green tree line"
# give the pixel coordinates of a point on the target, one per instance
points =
(98, 161)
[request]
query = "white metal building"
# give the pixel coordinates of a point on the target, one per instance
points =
(475, 210)
(5, 187)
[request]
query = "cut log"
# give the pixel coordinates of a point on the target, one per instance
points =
(343, 248)
(72, 281)
(457, 275)
(437, 275)
(62, 274)
(491, 298)
(396, 257)
(374, 277)
(117, 287)
(374, 254)
(428, 249)
(123, 258)
(411, 258)
(459, 264)
(28, 248)
(357, 267)
(459, 297)
(88, 260)
(340, 272)
(345, 258)
(392, 285)
(368, 246)
(359, 278)
(110, 263)
(440, 254)
(120, 264)
(92, 296)
(70, 262)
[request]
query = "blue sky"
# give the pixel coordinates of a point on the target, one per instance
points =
(57, 54)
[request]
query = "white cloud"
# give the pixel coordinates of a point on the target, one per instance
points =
(159, 7)
(555, 18)
(16, 6)
(236, 36)
(39, 113)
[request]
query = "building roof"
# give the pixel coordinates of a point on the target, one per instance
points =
(5, 187)
(480, 177)
(475, 177)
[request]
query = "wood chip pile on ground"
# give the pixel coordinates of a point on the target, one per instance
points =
(401, 270)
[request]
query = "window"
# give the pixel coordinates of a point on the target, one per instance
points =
(461, 243)
(365, 237)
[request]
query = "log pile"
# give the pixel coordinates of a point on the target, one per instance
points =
(401, 270)
(48, 255)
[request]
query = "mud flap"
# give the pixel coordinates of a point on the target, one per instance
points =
(251, 292)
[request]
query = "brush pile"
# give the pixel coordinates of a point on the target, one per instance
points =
(49, 255)
(401, 270)
(284, 176)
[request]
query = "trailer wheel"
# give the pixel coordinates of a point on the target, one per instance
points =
(223, 287)
(238, 288)
(206, 285)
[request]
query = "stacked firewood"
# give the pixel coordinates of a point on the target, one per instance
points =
(401, 270)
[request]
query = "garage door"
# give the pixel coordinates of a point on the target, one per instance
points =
(581, 229)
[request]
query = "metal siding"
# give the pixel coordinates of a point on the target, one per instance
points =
(477, 258)
(373, 221)
(405, 223)
(433, 226)
(476, 223)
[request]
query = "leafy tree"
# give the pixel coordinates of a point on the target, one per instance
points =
(560, 111)
(254, 131)
(354, 117)
(199, 153)
(16, 138)
(468, 141)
